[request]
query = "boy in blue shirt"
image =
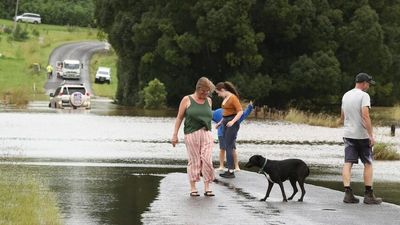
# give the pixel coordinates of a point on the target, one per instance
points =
(217, 116)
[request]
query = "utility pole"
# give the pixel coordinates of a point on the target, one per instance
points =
(15, 17)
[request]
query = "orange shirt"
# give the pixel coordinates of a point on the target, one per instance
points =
(232, 106)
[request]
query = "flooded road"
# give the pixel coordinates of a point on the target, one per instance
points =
(105, 164)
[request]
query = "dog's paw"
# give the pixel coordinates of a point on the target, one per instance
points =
(263, 199)
(290, 198)
(284, 200)
(300, 200)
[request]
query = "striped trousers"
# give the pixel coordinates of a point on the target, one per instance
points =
(199, 146)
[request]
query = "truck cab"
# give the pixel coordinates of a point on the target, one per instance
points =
(69, 69)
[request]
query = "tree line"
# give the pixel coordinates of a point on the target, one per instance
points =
(301, 53)
(59, 12)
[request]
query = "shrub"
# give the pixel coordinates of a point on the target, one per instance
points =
(384, 151)
(19, 34)
(154, 95)
(297, 116)
(71, 28)
(7, 30)
(19, 97)
(35, 33)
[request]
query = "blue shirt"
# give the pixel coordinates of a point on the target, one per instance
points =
(217, 116)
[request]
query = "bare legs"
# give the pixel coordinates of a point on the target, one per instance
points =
(346, 174)
(368, 171)
(222, 159)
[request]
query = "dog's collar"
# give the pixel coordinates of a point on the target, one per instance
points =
(263, 172)
(263, 166)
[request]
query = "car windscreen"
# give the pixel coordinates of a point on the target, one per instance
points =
(71, 66)
(76, 89)
(102, 72)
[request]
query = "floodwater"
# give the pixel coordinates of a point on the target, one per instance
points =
(104, 165)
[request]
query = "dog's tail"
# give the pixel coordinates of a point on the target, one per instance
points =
(308, 171)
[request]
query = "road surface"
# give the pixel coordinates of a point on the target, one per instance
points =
(81, 51)
(237, 202)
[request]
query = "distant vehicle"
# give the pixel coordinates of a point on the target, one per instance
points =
(69, 69)
(70, 95)
(103, 74)
(29, 18)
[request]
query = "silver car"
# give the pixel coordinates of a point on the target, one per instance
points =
(29, 18)
(70, 95)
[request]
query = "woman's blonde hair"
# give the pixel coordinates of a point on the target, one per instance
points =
(204, 82)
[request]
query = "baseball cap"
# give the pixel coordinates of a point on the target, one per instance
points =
(361, 77)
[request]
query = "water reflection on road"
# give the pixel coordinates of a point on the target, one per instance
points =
(101, 163)
(100, 195)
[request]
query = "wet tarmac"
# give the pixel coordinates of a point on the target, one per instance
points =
(237, 202)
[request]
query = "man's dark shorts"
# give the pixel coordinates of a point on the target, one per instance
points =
(355, 149)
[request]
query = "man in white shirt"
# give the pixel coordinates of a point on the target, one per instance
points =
(358, 137)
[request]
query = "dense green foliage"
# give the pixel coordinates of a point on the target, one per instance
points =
(19, 34)
(154, 95)
(61, 12)
(302, 53)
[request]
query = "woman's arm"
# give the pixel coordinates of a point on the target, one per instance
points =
(236, 118)
(179, 118)
(246, 112)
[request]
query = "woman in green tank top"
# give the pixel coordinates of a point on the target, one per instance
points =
(196, 110)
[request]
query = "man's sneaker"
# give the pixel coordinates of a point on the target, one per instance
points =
(369, 198)
(349, 197)
(227, 174)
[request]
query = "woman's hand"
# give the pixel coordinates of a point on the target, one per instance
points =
(174, 140)
(230, 123)
(218, 124)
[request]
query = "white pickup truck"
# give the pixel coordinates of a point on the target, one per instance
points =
(103, 74)
(69, 69)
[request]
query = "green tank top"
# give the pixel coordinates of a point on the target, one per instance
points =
(197, 116)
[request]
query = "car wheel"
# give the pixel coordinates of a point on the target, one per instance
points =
(35, 22)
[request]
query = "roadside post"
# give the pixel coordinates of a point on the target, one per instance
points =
(393, 130)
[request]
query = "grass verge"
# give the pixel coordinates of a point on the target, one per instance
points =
(384, 151)
(385, 116)
(297, 116)
(107, 59)
(24, 201)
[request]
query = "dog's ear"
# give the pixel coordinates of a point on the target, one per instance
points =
(259, 159)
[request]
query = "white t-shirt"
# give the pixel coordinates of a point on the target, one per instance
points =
(352, 103)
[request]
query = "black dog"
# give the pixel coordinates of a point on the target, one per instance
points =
(279, 171)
